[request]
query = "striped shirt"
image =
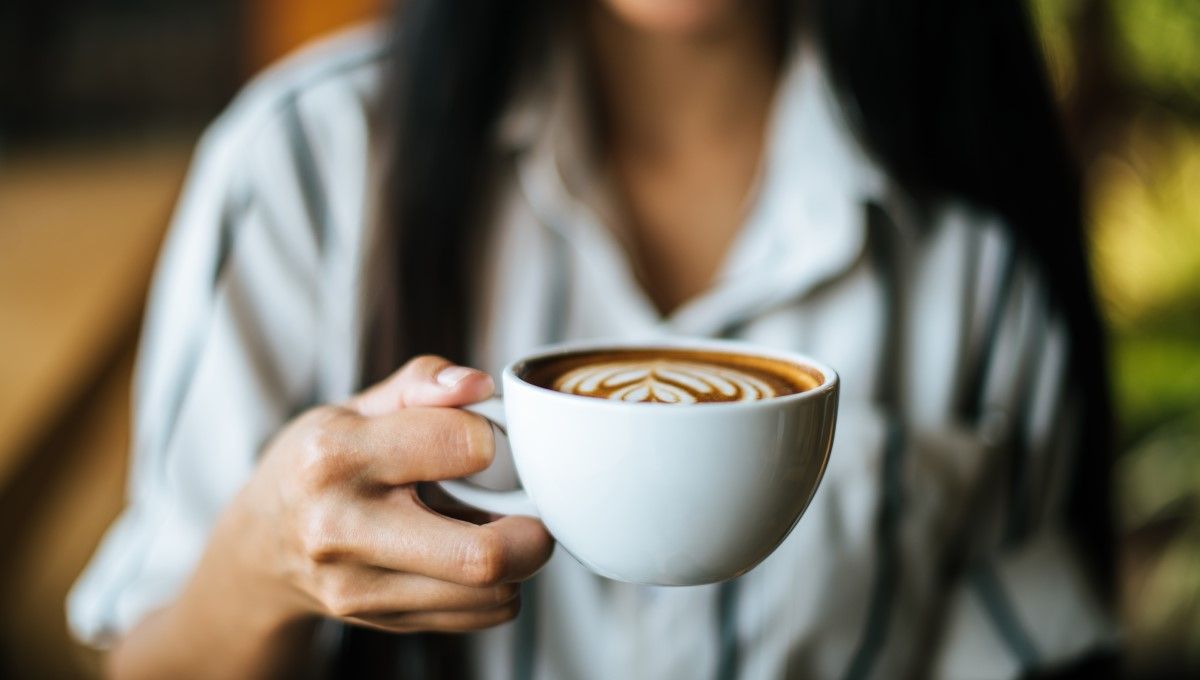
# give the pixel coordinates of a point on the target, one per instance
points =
(936, 545)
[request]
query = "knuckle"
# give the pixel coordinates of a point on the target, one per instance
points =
(476, 441)
(326, 452)
(505, 593)
(462, 438)
(319, 532)
(341, 598)
(484, 562)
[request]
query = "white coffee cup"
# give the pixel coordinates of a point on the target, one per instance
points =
(662, 494)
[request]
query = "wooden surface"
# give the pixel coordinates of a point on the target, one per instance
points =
(79, 232)
(50, 523)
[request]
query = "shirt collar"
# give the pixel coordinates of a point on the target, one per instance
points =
(806, 221)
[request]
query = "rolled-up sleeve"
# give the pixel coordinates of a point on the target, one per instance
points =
(227, 356)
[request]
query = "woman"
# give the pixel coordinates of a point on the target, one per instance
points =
(882, 186)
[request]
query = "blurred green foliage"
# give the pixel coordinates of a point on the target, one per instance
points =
(1143, 199)
(1160, 40)
(1145, 205)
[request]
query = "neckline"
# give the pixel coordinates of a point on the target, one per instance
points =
(802, 223)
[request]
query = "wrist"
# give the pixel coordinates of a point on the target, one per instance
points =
(231, 603)
(253, 566)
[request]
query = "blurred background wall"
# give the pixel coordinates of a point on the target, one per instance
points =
(101, 101)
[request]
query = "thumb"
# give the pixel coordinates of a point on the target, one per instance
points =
(424, 381)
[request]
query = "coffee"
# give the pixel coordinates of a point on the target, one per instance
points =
(656, 493)
(670, 376)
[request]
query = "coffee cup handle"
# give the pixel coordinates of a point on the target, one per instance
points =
(514, 502)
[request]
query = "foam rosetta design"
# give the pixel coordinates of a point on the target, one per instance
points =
(665, 381)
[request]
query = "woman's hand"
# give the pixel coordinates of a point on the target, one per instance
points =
(331, 523)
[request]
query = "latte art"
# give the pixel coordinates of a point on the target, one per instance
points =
(669, 375)
(665, 381)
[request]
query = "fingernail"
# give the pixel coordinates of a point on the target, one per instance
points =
(453, 375)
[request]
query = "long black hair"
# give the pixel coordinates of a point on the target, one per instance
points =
(953, 100)
(950, 97)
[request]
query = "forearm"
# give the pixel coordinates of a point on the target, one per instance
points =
(168, 644)
(226, 623)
